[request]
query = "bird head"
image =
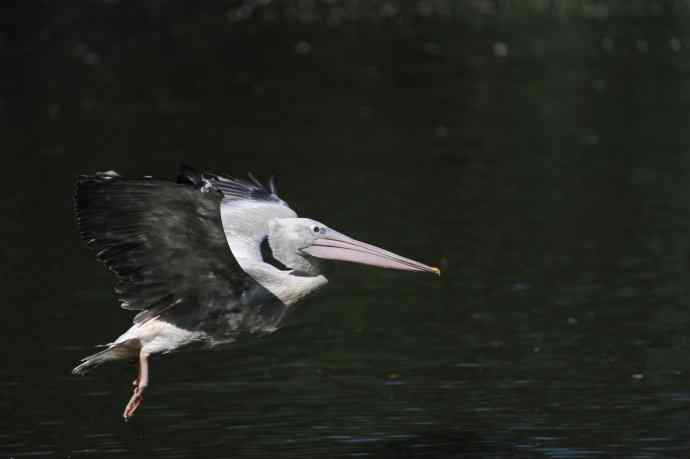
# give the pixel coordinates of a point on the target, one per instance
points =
(300, 243)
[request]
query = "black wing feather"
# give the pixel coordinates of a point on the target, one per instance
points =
(230, 188)
(163, 240)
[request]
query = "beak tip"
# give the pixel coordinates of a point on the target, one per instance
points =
(436, 271)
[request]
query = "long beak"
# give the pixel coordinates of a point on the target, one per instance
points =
(337, 246)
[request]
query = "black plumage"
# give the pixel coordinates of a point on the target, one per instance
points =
(230, 188)
(163, 240)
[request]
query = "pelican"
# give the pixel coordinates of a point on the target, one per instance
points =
(205, 259)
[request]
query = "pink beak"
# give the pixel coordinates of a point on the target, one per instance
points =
(337, 246)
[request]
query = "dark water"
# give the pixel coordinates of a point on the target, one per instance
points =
(541, 159)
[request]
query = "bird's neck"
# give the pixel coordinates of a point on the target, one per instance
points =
(287, 257)
(288, 286)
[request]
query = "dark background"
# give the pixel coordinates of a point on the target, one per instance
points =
(538, 151)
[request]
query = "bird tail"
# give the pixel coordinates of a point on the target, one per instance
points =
(114, 351)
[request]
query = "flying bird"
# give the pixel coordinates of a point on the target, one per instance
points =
(205, 259)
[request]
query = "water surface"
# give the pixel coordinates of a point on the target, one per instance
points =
(541, 161)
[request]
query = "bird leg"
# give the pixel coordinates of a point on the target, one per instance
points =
(139, 386)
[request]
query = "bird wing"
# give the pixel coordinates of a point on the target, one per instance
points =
(163, 240)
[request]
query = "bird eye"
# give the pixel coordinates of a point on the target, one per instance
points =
(316, 229)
